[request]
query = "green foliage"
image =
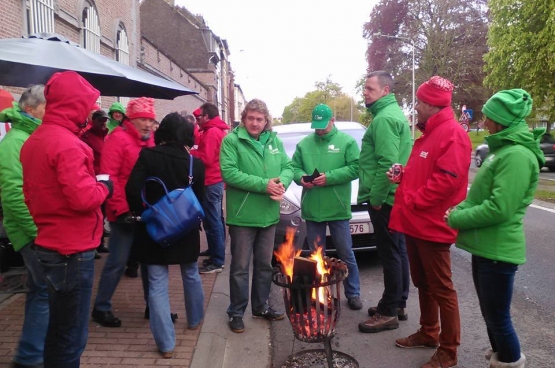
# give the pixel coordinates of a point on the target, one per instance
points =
(521, 48)
(327, 92)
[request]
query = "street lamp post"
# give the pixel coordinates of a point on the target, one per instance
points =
(413, 86)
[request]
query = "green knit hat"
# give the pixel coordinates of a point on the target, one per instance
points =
(508, 107)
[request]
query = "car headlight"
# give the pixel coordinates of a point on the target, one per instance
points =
(287, 208)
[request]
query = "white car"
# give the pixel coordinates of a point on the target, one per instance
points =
(362, 230)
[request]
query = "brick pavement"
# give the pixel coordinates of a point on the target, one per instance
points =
(130, 345)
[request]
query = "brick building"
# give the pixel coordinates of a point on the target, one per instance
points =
(108, 27)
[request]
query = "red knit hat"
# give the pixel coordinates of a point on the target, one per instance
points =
(197, 112)
(436, 92)
(142, 107)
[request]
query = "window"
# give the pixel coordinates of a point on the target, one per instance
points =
(91, 29)
(40, 16)
(122, 55)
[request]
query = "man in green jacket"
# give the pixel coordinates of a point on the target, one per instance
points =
(326, 199)
(257, 171)
(24, 117)
(116, 114)
(386, 142)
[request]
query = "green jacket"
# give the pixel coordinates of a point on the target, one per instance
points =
(387, 141)
(336, 155)
(490, 219)
(18, 223)
(113, 124)
(246, 170)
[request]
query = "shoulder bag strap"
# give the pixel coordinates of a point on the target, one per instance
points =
(190, 169)
(156, 179)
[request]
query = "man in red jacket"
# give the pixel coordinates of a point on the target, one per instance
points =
(435, 179)
(64, 200)
(213, 130)
(94, 138)
(120, 153)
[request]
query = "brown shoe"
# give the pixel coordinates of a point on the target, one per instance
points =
(441, 360)
(167, 354)
(379, 323)
(416, 340)
(401, 314)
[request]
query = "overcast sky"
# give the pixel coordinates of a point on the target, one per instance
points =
(279, 49)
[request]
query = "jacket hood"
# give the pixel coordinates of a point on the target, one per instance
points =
(217, 122)
(381, 103)
(518, 134)
(69, 99)
(19, 119)
(116, 107)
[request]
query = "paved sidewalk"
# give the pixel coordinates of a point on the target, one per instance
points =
(131, 345)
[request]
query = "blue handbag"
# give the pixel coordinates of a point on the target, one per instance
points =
(174, 215)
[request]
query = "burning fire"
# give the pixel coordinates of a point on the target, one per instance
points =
(286, 254)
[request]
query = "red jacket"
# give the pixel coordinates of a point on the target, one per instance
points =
(59, 182)
(94, 138)
(212, 134)
(435, 178)
(120, 153)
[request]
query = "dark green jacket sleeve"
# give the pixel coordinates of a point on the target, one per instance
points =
(286, 175)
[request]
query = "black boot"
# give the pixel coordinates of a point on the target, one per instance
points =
(174, 316)
(106, 319)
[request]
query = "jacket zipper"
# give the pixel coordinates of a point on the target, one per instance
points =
(339, 199)
(95, 226)
(242, 203)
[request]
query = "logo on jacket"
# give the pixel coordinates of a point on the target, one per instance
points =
(331, 148)
(424, 154)
(273, 151)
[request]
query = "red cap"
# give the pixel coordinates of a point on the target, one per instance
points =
(142, 107)
(437, 91)
(197, 112)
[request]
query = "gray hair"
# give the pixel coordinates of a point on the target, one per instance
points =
(32, 96)
(384, 78)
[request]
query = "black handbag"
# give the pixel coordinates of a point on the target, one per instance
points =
(175, 214)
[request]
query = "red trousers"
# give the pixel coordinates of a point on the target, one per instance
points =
(430, 269)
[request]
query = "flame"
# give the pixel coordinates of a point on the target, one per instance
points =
(323, 270)
(286, 253)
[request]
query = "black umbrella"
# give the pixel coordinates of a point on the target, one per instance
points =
(33, 60)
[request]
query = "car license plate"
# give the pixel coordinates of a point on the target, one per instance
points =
(360, 228)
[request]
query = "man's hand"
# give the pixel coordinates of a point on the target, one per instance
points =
(125, 218)
(275, 187)
(377, 208)
(110, 185)
(307, 184)
(320, 181)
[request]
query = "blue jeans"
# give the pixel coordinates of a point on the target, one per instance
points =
(247, 241)
(69, 280)
(494, 284)
(392, 250)
(341, 236)
(161, 323)
(35, 325)
(121, 240)
(213, 225)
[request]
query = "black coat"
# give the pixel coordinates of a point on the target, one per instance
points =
(170, 163)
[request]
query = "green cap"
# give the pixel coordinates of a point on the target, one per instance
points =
(508, 107)
(321, 116)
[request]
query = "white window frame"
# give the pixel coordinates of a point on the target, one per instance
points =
(40, 16)
(122, 55)
(91, 29)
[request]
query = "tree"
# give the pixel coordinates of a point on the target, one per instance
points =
(449, 40)
(521, 48)
(327, 92)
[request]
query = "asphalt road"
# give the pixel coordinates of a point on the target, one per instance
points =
(532, 310)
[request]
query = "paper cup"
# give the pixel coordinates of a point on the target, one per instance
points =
(102, 177)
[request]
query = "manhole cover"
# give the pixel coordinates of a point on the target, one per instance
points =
(317, 359)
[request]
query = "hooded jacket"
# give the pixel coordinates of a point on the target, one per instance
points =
(435, 179)
(120, 154)
(210, 141)
(18, 222)
(59, 183)
(112, 123)
(490, 219)
(335, 154)
(246, 170)
(387, 141)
